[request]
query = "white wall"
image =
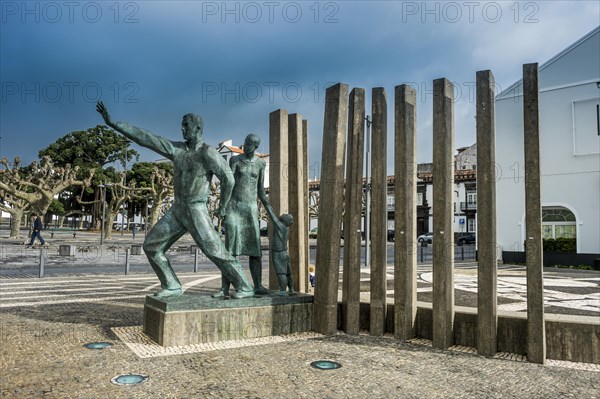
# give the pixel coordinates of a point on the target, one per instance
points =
(567, 180)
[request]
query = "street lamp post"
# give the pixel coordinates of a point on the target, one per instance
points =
(125, 143)
(146, 219)
(368, 197)
(103, 188)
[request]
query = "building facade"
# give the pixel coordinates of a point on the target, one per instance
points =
(569, 100)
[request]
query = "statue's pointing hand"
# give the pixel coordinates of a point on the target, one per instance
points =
(102, 110)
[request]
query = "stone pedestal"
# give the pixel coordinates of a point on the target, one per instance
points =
(137, 250)
(196, 319)
(66, 250)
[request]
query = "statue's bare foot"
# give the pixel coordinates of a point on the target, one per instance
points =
(220, 294)
(167, 292)
(242, 294)
(282, 293)
(260, 290)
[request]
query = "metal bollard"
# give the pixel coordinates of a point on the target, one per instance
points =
(462, 253)
(126, 261)
(196, 261)
(421, 254)
(42, 260)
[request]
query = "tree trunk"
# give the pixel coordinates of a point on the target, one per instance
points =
(15, 227)
(61, 221)
(153, 216)
(110, 216)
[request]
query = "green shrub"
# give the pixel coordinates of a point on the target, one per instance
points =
(566, 245)
(549, 245)
(561, 244)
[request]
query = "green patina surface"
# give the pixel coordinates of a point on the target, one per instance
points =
(205, 302)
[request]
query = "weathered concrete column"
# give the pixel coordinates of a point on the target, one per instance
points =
(405, 218)
(278, 179)
(297, 185)
(487, 307)
(536, 332)
(352, 214)
(327, 267)
(306, 214)
(443, 240)
(379, 211)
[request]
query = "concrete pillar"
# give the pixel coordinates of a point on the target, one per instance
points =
(297, 185)
(443, 194)
(278, 178)
(306, 214)
(327, 268)
(352, 214)
(487, 307)
(536, 334)
(405, 218)
(379, 211)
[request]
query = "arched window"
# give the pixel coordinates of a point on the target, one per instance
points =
(558, 222)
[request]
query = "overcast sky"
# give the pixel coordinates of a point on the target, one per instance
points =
(235, 62)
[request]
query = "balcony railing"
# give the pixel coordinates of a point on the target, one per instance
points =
(468, 206)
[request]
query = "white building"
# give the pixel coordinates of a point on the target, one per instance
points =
(569, 101)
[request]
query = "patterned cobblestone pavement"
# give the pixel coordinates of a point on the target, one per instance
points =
(44, 324)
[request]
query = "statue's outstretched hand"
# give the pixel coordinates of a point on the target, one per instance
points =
(101, 108)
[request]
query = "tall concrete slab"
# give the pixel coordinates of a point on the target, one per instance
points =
(487, 306)
(306, 214)
(352, 214)
(297, 185)
(536, 333)
(405, 218)
(443, 194)
(331, 203)
(278, 175)
(378, 211)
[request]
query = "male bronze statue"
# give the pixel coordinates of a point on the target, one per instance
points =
(194, 164)
(242, 230)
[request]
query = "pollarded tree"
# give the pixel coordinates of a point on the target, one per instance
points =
(91, 149)
(16, 208)
(40, 182)
(117, 194)
(95, 147)
(158, 179)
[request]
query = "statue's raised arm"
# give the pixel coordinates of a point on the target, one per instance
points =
(141, 136)
(102, 110)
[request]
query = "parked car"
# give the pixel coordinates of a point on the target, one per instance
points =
(313, 233)
(264, 232)
(427, 237)
(391, 235)
(467, 239)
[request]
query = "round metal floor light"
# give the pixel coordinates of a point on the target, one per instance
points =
(325, 365)
(97, 345)
(129, 379)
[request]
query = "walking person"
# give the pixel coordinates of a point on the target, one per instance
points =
(36, 229)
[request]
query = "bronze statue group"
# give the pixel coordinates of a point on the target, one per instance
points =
(242, 183)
